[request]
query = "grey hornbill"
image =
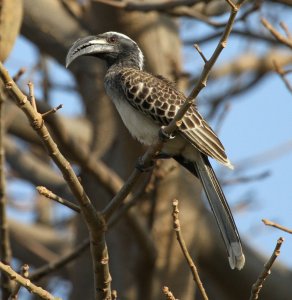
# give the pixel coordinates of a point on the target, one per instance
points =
(145, 103)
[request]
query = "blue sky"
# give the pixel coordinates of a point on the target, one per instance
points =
(258, 121)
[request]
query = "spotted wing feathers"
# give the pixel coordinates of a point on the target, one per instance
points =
(158, 99)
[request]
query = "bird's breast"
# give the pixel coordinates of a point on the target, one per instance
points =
(140, 127)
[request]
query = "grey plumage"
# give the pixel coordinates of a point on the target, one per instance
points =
(145, 102)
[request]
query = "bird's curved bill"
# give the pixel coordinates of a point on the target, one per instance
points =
(89, 45)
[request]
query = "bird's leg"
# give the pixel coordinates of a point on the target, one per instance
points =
(142, 167)
(146, 168)
(163, 136)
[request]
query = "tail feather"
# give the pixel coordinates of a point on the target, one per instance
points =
(203, 169)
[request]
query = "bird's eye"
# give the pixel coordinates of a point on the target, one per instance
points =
(112, 39)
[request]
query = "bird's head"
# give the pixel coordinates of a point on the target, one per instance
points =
(113, 47)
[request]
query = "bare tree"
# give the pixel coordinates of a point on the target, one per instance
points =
(138, 238)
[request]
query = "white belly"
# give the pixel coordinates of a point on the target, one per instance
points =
(140, 127)
(146, 131)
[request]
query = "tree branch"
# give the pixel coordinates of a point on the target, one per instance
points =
(168, 294)
(50, 195)
(94, 221)
(257, 286)
(277, 35)
(278, 226)
(54, 266)
(32, 288)
(194, 270)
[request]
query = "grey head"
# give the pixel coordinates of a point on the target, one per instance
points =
(112, 47)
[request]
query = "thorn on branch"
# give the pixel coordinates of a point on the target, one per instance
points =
(197, 47)
(256, 287)
(52, 111)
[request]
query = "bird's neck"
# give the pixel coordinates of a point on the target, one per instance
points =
(126, 62)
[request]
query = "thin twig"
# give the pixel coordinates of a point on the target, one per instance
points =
(5, 248)
(257, 286)
(197, 47)
(128, 204)
(286, 30)
(282, 73)
(179, 8)
(19, 73)
(50, 195)
(237, 32)
(61, 262)
(31, 95)
(222, 116)
(273, 224)
(277, 35)
(246, 179)
(25, 274)
(168, 294)
(52, 111)
(26, 283)
(194, 270)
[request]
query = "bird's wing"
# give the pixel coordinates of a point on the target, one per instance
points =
(157, 98)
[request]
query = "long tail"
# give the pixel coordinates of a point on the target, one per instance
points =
(203, 169)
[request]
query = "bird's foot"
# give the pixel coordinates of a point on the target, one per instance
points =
(165, 136)
(143, 167)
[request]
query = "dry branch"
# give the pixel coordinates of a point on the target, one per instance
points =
(50, 195)
(56, 265)
(25, 274)
(32, 288)
(277, 35)
(257, 286)
(282, 73)
(93, 220)
(168, 294)
(278, 226)
(194, 270)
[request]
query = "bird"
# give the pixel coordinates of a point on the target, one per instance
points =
(145, 103)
